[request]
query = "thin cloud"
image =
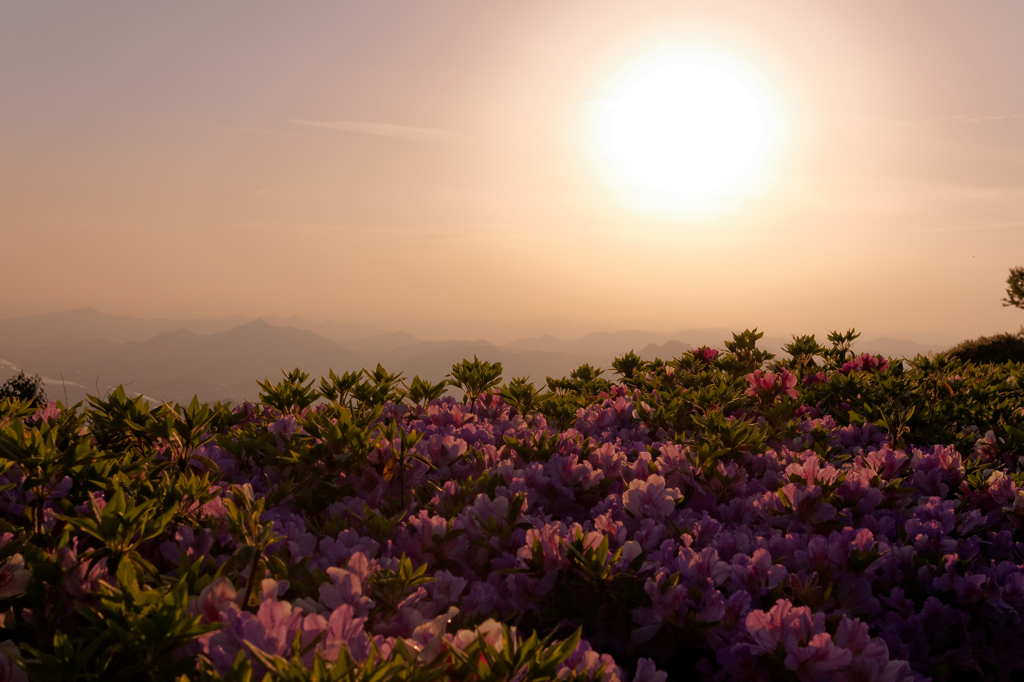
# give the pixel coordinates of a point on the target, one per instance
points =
(387, 130)
(961, 118)
(997, 117)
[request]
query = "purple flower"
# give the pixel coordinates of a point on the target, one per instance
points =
(586, 661)
(821, 656)
(271, 630)
(445, 589)
(185, 542)
(81, 578)
(339, 550)
(287, 426)
(870, 655)
(755, 572)
(646, 671)
(9, 670)
(346, 587)
(345, 628)
(816, 378)
(937, 470)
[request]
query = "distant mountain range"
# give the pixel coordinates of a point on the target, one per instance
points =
(88, 352)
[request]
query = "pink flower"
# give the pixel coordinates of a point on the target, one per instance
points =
(783, 624)
(768, 386)
(865, 362)
(215, 601)
(650, 498)
(705, 354)
(14, 577)
(48, 412)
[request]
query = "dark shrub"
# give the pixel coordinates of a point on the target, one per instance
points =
(22, 387)
(995, 349)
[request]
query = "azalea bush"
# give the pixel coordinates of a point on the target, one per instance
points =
(723, 515)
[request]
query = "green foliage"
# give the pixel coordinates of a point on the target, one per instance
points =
(290, 395)
(379, 387)
(254, 536)
(149, 466)
(345, 437)
(185, 429)
(585, 382)
(802, 350)
(535, 449)
(475, 377)
(744, 356)
(522, 395)
(338, 389)
(631, 368)
(45, 456)
(838, 354)
(532, 660)
(13, 408)
(401, 441)
(592, 582)
(724, 439)
(388, 588)
(401, 666)
(423, 392)
(119, 422)
(525, 660)
(132, 635)
(560, 410)
(123, 525)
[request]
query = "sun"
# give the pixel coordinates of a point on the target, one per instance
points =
(687, 130)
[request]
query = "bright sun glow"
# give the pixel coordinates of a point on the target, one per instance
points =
(687, 130)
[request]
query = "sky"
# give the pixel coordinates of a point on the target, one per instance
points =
(434, 166)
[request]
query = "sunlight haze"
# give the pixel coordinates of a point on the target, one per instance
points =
(474, 170)
(688, 130)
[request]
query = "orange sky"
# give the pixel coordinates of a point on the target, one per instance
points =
(423, 165)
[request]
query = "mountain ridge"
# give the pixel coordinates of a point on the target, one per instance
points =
(178, 362)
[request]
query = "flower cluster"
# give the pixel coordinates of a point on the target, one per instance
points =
(700, 522)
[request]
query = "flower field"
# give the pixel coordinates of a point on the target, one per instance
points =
(722, 516)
